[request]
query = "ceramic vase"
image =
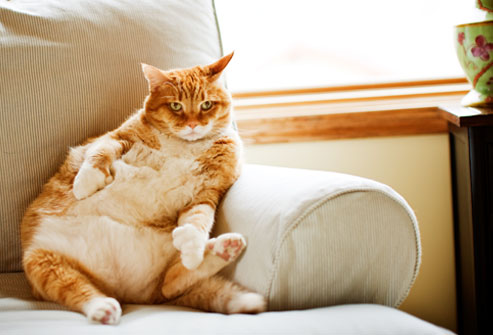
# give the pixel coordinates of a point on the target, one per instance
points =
(474, 47)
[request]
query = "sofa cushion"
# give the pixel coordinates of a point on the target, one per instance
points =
(320, 238)
(20, 314)
(70, 70)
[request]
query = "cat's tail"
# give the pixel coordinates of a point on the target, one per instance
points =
(216, 294)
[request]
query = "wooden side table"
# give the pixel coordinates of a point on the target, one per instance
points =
(471, 143)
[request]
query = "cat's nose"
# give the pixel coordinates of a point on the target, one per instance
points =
(193, 124)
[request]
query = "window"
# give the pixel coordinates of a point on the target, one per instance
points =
(283, 44)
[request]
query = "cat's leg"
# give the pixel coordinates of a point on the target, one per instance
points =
(95, 171)
(216, 294)
(56, 278)
(219, 168)
(192, 233)
(219, 252)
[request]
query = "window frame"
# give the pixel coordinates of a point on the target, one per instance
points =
(344, 112)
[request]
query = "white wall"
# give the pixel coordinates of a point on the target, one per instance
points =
(418, 167)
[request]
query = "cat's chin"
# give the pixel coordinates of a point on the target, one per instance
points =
(192, 137)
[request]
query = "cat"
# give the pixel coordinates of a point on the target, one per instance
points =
(127, 217)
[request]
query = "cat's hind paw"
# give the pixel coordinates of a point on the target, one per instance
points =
(88, 181)
(103, 310)
(250, 303)
(227, 246)
(191, 244)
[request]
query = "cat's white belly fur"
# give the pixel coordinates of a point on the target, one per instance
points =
(102, 231)
(129, 259)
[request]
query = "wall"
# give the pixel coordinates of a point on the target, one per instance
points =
(418, 168)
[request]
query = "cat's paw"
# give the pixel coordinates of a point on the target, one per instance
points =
(88, 181)
(251, 303)
(191, 244)
(103, 310)
(227, 246)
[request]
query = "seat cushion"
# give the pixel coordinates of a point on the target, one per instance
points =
(70, 70)
(20, 314)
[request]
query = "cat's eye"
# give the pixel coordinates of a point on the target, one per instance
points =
(175, 106)
(206, 105)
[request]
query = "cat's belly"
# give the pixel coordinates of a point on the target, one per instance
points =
(143, 194)
(129, 260)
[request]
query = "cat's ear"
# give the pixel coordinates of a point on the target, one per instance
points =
(215, 69)
(154, 76)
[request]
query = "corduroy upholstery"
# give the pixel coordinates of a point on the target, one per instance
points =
(319, 238)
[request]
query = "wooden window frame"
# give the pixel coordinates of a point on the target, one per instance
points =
(342, 112)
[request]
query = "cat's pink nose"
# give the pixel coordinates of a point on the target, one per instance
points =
(193, 124)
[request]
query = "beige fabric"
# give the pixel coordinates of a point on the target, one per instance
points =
(319, 238)
(70, 70)
(19, 314)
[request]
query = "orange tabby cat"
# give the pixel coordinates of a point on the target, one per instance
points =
(128, 215)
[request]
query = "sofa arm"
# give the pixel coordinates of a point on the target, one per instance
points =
(320, 238)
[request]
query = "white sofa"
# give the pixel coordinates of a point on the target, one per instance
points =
(332, 253)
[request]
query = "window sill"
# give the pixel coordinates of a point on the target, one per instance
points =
(388, 109)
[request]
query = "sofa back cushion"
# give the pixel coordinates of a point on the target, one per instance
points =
(70, 70)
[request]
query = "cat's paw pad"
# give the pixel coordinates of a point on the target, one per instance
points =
(191, 244)
(227, 246)
(251, 303)
(103, 310)
(88, 181)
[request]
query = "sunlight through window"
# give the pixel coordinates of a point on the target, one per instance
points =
(282, 44)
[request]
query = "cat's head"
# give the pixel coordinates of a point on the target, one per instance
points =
(192, 103)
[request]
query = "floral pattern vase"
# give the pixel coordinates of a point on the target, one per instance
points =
(486, 5)
(474, 46)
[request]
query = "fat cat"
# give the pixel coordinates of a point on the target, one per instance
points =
(127, 217)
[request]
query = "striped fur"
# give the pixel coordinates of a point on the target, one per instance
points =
(127, 216)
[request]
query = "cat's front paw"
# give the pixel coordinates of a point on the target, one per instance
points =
(191, 243)
(88, 181)
(104, 310)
